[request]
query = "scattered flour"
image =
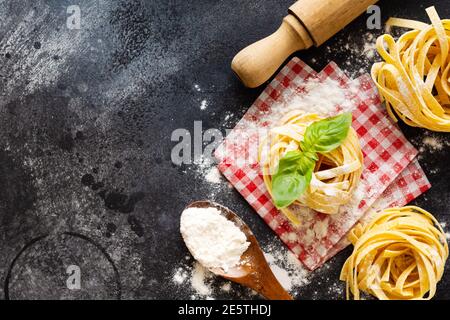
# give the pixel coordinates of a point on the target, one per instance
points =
(336, 290)
(321, 228)
(203, 164)
(198, 280)
(205, 169)
(203, 283)
(447, 233)
(434, 171)
(369, 48)
(203, 105)
(213, 175)
(360, 55)
(282, 276)
(229, 120)
(321, 97)
(197, 88)
(287, 268)
(180, 276)
(432, 143)
(315, 231)
(199, 228)
(226, 287)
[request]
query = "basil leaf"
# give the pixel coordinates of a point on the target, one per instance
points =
(327, 134)
(288, 187)
(306, 164)
(289, 162)
(291, 156)
(293, 176)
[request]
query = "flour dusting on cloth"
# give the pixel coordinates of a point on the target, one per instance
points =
(386, 154)
(321, 97)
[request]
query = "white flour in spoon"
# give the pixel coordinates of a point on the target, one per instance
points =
(213, 240)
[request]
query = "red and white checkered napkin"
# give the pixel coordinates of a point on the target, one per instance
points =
(390, 175)
(410, 184)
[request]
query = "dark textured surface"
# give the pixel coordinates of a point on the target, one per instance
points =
(85, 123)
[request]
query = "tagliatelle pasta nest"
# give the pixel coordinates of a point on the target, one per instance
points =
(399, 255)
(336, 173)
(414, 79)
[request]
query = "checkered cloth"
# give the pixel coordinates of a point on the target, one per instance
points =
(410, 184)
(390, 174)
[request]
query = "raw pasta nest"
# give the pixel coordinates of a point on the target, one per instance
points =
(399, 255)
(336, 173)
(414, 79)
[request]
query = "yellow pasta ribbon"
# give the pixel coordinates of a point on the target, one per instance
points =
(336, 173)
(399, 255)
(414, 79)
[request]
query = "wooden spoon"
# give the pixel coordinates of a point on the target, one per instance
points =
(253, 271)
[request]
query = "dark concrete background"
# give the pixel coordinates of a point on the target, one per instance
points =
(85, 123)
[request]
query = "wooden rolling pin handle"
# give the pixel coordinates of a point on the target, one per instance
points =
(259, 61)
(325, 18)
(309, 22)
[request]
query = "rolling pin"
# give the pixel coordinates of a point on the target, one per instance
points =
(310, 22)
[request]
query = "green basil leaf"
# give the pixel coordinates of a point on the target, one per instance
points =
(293, 176)
(306, 163)
(291, 156)
(287, 188)
(289, 162)
(327, 134)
